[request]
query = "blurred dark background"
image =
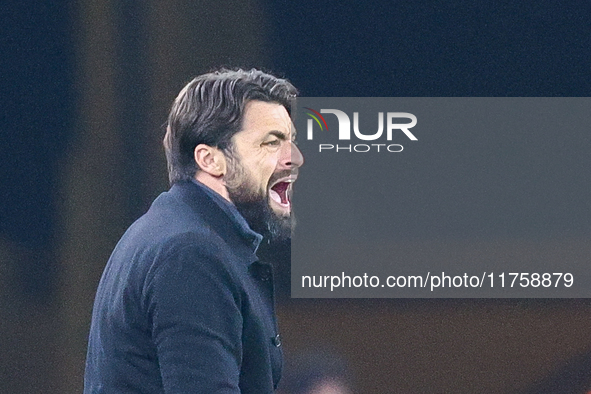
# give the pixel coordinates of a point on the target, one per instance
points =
(86, 86)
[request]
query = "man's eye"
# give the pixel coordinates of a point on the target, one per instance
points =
(272, 143)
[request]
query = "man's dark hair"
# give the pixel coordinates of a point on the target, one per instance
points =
(209, 110)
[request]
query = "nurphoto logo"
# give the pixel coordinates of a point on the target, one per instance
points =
(393, 124)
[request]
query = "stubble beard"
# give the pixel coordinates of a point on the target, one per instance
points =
(254, 205)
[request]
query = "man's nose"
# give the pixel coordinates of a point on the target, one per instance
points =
(292, 157)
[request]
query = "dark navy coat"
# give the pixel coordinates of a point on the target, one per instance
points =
(183, 305)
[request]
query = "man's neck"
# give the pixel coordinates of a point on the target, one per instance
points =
(214, 183)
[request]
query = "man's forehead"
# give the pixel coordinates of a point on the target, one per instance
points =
(265, 117)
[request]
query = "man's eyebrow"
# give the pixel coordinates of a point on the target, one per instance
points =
(278, 134)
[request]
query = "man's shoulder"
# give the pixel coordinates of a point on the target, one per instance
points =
(168, 226)
(153, 249)
(190, 215)
(159, 233)
(181, 227)
(174, 213)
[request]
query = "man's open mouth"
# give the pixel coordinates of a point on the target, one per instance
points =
(280, 192)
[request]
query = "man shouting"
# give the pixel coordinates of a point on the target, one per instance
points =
(184, 305)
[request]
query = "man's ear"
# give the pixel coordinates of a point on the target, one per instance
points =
(210, 160)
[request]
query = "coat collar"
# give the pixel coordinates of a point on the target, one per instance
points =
(219, 213)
